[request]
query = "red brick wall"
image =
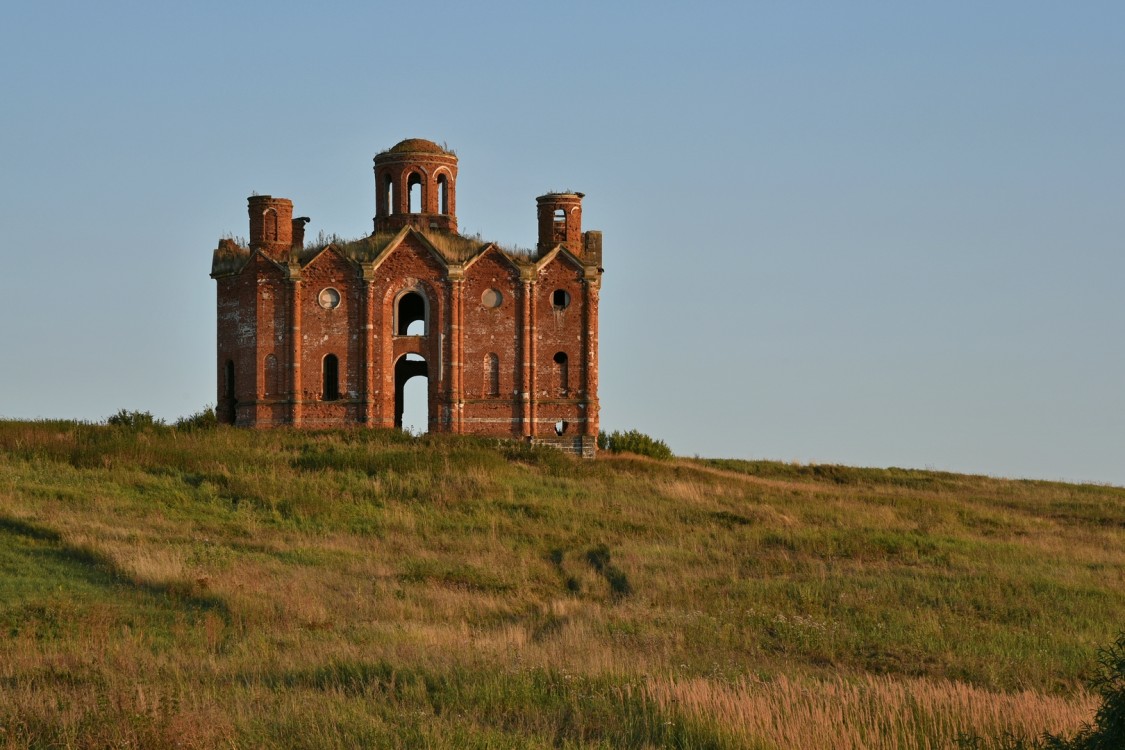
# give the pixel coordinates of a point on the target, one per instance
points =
(271, 313)
(238, 340)
(559, 330)
(326, 331)
(488, 331)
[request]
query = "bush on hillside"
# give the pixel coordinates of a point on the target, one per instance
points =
(134, 420)
(1108, 730)
(598, 557)
(634, 442)
(201, 420)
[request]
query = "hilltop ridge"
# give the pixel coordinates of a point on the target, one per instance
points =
(175, 588)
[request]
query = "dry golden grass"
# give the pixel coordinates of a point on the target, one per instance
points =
(868, 712)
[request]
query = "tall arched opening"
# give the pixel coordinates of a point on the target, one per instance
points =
(412, 394)
(443, 193)
(388, 195)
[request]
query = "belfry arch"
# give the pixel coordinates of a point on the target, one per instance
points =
(416, 193)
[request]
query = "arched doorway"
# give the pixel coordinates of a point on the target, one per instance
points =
(412, 394)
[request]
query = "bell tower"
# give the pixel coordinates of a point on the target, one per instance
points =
(560, 222)
(416, 185)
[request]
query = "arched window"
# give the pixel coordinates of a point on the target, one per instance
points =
(443, 193)
(414, 188)
(561, 374)
(269, 225)
(492, 375)
(389, 206)
(272, 385)
(331, 390)
(560, 225)
(410, 317)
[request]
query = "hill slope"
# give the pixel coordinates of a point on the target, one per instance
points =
(172, 589)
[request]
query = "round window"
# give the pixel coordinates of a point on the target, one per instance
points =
(328, 298)
(491, 298)
(560, 300)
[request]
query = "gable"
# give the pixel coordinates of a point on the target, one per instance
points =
(412, 242)
(263, 265)
(559, 258)
(492, 267)
(328, 260)
(492, 254)
(409, 254)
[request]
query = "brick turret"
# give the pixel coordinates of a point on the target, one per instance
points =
(271, 225)
(560, 222)
(416, 185)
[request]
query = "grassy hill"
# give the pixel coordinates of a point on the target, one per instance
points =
(162, 588)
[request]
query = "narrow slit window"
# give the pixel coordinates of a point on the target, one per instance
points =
(492, 375)
(228, 387)
(331, 391)
(562, 376)
(229, 378)
(271, 375)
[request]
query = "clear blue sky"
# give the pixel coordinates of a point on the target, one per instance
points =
(873, 233)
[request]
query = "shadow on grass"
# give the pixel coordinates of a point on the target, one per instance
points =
(53, 558)
(30, 530)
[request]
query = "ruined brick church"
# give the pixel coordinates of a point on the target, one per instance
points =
(328, 335)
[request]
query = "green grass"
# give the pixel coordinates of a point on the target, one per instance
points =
(452, 246)
(164, 588)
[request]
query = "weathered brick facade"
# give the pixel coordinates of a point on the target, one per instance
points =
(328, 336)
